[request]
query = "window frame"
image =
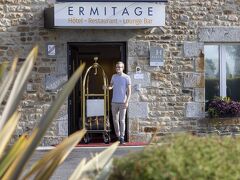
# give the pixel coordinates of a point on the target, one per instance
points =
(222, 66)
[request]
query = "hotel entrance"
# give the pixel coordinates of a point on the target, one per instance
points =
(108, 54)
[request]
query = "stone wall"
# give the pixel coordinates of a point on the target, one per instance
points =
(219, 126)
(170, 98)
(175, 96)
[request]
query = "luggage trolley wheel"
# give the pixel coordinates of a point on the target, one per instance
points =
(86, 138)
(106, 138)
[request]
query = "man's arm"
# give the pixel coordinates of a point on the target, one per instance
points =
(110, 87)
(128, 95)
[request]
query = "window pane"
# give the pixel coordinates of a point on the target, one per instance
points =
(232, 55)
(212, 73)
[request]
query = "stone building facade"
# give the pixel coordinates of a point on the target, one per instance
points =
(171, 98)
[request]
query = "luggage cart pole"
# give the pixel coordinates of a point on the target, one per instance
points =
(102, 105)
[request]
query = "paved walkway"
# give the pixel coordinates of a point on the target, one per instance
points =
(65, 170)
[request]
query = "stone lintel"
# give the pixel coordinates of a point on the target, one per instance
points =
(219, 34)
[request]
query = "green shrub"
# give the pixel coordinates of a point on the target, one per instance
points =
(183, 157)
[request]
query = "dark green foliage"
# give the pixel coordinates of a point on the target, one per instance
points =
(183, 157)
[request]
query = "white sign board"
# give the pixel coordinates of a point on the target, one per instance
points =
(109, 14)
(51, 50)
(156, 56)
(138, 76)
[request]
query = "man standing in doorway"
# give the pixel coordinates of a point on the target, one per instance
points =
(121, 85)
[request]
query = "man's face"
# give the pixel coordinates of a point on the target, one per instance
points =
(119, 68)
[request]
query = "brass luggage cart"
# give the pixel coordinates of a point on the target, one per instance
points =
(95, 108)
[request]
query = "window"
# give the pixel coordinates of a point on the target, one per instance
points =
(222, 71)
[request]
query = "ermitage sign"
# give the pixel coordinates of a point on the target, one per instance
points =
(109, 14)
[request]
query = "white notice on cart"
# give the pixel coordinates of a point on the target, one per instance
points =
(95, 107)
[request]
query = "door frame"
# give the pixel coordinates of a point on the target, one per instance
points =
(70, 45)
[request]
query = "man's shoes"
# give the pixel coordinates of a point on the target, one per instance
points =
(122, 141)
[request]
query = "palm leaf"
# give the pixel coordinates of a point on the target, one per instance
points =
(3, 67)
(19, 86)
(96, 163)
(8, 81)
(47, 172)
(79, 170)
(12, 154)
(59, 154)
(105, 172)
(7, 131)
(15, 170)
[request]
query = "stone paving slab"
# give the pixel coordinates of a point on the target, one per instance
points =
(65, 170)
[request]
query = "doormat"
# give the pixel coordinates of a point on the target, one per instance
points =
(98, 144)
